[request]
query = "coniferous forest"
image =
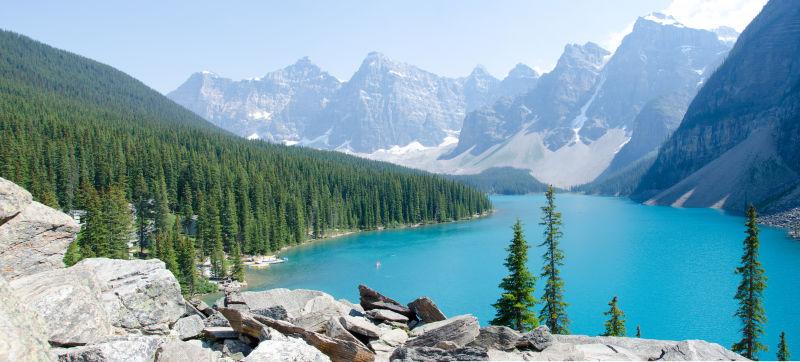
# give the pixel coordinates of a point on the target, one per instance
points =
(81, 135)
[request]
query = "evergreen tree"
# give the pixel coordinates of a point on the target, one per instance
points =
(218, 264)
(161, 206)
(237, 266)
(554, 310)
(750, 292)
(513, 309)
(615, 325)
(73, 254)
(638, 331)
(142, 211)
(783, 349)
(118, 220)
(186, 263)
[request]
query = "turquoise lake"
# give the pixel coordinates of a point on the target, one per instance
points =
(672, 269)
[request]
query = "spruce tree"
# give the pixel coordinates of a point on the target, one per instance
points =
(118, 220)
(638, 331)
(615, 325)
(514, 307)
(186, 263)
(750, 292)
(783, 349)
(554, 310)
(237, 266)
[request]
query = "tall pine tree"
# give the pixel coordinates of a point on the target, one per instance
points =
(554, 310)
(750, 292)
(783, 349)
(615, 325)
(514, 308)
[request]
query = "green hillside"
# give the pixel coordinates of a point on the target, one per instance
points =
(70, 126)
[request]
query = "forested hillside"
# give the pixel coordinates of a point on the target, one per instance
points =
(74, 130)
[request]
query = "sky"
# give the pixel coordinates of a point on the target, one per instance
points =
(162, 42)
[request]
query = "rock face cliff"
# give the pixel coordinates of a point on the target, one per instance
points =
(33, 237)
(739, 141)
(132, 310)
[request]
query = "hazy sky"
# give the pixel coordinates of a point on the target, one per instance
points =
(163, 42)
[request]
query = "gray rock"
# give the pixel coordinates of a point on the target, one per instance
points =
(292, 350)
(360, 326)
(234, 346)
(216, 320)
(437, 354)
(22, 337)
(579, 347)
(371, 299)
(386, 315)
(275, 312)
(35, 240)
(202, 307)
(189, 327)
(446, 345)
(272, 334)
(128, 348)
(308, 309)
(335, 329)
(461, 330)
(537, 339)
(497, 337)
(70, 303)
(220, 333)
(696, 350)
(426, 310)
(179, 351)
(137, 294)
(13, 199)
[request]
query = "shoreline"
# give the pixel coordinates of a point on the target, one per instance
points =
(328, 237)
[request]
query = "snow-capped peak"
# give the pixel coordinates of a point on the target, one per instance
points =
(663, 19)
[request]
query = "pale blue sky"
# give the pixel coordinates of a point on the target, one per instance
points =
(162, 42)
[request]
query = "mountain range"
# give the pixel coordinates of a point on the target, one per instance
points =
(384, 104)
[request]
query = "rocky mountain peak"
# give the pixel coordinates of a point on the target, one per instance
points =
(589, 54)
(659, 19)
(522, 71)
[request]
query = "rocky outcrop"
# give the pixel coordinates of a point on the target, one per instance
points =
(408, 354)
(70, 302)
(33, 237)
(23, 335)
(292, 350)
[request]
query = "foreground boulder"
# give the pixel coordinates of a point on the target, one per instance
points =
(22, 336)
(70, 302)
(33, 237)
(139, 295)
(460, 330)
(426, 310)
(371, 299)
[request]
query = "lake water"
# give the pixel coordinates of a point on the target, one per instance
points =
(672, 269)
